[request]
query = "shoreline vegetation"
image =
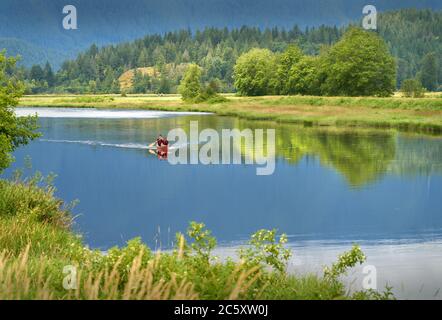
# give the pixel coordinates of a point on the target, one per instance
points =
(422, 115)
(37, 245)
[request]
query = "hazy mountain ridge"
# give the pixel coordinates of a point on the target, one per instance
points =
(38, 23)
(30, 53)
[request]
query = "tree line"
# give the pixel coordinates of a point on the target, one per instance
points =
(357, 65)
(411, 36)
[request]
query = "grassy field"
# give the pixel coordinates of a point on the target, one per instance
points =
(423, 115)
(36, 246)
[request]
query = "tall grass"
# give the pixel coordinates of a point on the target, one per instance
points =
(36, 247)
(432, 104)
(21, 278)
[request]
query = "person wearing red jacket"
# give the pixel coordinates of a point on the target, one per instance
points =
(162, 147)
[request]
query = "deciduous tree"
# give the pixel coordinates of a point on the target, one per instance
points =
(255, 73)
(14, 131)
(360, 65)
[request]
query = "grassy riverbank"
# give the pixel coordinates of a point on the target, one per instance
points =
(36, 245)
(423, 115)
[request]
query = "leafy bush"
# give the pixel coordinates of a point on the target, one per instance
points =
(266, 250)
(345, 261)
(203, 243)
(412, 88)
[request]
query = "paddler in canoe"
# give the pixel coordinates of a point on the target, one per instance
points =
(162, 146)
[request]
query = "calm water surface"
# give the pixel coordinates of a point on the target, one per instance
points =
(331, 187)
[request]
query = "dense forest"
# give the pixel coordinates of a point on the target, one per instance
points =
(33, 27)
(157, 62)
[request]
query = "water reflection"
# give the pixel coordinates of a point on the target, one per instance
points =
(361, 156)
(417, 156)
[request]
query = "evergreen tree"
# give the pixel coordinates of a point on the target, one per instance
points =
(190, 87)
(141, 83)
(37, 73)
(143, 59)
(49, 74)
(164, 86)
(429, 71)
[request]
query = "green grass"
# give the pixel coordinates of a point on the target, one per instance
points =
(407, 114)
(433, 104)
(36, 243)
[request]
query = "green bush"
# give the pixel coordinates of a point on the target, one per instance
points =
(346, 261)
(412, 88)
(264, 249)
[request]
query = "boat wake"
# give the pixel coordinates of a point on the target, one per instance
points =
(112, 145)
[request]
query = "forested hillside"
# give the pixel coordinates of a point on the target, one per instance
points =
(38, 23)
(413, 36)
(30, 54)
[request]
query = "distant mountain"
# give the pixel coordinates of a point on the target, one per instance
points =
(30, 53)
(33, 28)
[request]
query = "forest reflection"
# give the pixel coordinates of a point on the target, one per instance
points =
(361, 156)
